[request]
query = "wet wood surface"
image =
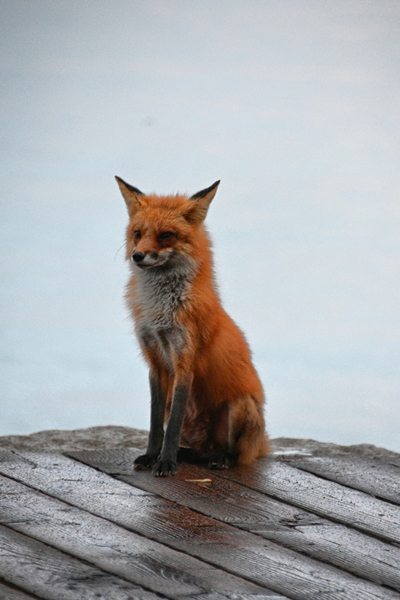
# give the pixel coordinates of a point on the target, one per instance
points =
(379, 480)
(87, 525)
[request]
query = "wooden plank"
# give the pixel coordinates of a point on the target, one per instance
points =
(11, 593)
(304, 447)
(365, 474)
(229, 502)
(305, 490)
(238, 551)
(113, 548)
(326, 498)
(52, 575)
(134, 509)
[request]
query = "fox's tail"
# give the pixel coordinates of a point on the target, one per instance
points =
(252, 442)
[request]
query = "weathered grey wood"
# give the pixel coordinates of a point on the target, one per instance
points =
(326, 498)
(246, 554)
(305, 490)
(306, 447)
(132, 508)
(365, 474)
(112, 548)
(52, 575)
(250, 510)
(9, 593)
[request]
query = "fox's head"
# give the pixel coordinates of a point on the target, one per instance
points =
(163, 227)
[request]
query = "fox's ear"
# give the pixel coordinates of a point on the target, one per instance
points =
(131, 195)
(199, 204)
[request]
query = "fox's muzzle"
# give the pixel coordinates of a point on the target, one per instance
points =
(148, 259)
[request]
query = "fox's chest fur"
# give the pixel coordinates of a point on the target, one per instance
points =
(160, 295)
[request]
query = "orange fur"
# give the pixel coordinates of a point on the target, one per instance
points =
(197, 355)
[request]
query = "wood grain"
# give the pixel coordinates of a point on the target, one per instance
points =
(240, 552)
(112, 548)
(287, 572)
(11, 593)
(52, 575)
(365, 474)
(320, 496)
(247, 509)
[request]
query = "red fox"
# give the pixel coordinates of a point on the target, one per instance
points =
(202, 381)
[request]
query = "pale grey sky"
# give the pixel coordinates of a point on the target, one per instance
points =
(294, 105)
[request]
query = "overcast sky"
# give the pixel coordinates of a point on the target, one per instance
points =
(295, 106)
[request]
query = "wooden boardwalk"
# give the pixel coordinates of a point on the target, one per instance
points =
(87, 527)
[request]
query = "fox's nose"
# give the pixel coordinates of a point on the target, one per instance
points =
(137, 257)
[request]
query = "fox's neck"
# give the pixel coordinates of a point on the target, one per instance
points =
(162, 290)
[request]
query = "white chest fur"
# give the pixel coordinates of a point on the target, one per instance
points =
(161, 293)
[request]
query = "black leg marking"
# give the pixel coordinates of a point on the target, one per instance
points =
(148, 460)
(166, 464)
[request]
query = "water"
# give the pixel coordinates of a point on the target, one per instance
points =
(294, 106)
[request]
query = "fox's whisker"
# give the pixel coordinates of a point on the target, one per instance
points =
(119, 250)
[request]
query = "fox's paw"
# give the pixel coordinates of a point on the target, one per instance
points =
(219, 461)
(164, 468)
(145, 462)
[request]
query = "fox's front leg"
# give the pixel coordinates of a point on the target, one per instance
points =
(158, 398)
(166, 464)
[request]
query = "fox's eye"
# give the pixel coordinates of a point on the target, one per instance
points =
(137, 235)
(167, 235)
